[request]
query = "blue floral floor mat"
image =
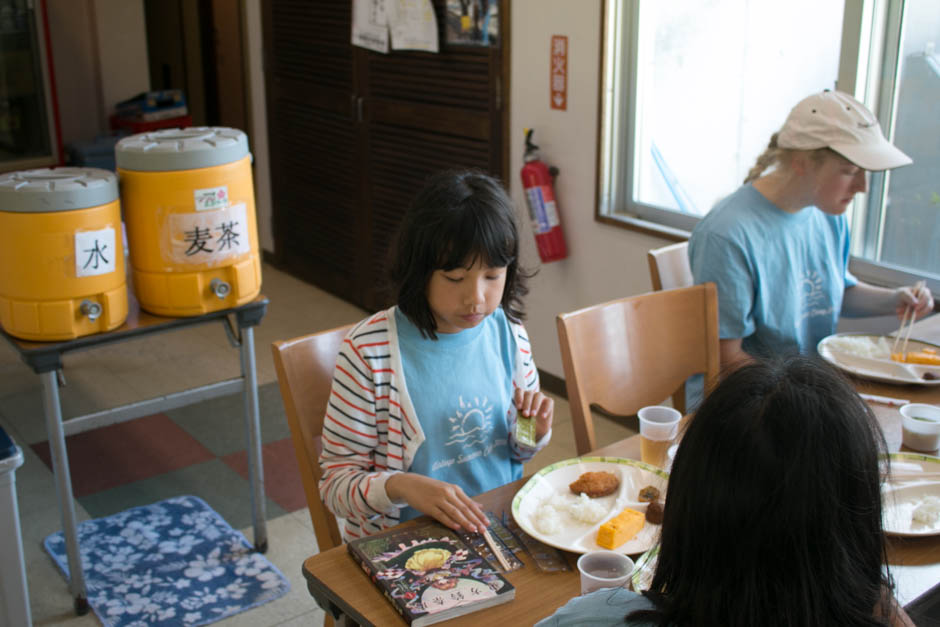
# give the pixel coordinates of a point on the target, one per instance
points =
(176, 562)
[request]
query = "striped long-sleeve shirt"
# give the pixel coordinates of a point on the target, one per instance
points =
(370, 430)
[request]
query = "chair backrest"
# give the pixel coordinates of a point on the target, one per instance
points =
(636, 351)
(669, 266)
(304, 368)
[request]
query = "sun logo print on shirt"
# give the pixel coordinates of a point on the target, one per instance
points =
(815, 302)
(473, 422)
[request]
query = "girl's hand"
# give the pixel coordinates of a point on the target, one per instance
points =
(918, 297)
(534, 404)
(443, 501)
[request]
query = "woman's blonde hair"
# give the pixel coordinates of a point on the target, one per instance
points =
(773, 154)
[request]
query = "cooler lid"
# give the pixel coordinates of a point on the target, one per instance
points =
(57, 189)
(181, 149)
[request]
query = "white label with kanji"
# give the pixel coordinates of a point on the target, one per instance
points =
(211, 198)
(210, 236)
(95, 252)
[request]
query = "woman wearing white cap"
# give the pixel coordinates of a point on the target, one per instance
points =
(778, 247)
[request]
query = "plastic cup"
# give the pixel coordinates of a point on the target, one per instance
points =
(920, 427)
(604, 569)
(659, 426)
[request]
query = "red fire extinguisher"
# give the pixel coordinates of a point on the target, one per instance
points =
(537, 179)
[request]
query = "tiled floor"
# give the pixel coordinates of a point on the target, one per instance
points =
(197, 449)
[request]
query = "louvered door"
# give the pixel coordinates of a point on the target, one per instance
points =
(354, 134)
(313, 141)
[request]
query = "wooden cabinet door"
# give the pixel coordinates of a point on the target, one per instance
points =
(354, 134)
(313, 137)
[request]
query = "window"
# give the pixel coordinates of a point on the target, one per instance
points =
(692, 92)
(896, 229)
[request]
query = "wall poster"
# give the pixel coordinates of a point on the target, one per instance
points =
(472, 22)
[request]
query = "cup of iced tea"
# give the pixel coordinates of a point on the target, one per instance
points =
(659, 426)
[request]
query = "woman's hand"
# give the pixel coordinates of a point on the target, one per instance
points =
(534, 404)
(443, 501)
(918, 297)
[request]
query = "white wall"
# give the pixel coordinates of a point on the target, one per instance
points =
(99, 54)
(75, 65)
(604, 262)
(122, 50)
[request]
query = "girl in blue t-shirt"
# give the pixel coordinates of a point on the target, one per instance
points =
(426, 394)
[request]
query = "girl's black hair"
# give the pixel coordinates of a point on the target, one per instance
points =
(459, 216)
(773, 514)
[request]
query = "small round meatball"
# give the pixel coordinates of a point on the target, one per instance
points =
(654, 512)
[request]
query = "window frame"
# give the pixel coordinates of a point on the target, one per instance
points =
(621, 30)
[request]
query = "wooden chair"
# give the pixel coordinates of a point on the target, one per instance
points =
(304, 368)
(636, 351)
(669, 269)
(669, 266)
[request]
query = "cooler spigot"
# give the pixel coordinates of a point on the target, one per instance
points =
(90, 309)
(220, 288)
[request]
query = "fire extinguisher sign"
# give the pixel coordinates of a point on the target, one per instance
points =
(559, 77)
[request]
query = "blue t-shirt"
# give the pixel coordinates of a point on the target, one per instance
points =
(461, 388)
(607, 606)
(780, 276)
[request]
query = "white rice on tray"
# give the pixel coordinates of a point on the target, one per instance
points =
(587, 510)
(927, 511)
(861, 346)
(549, 517)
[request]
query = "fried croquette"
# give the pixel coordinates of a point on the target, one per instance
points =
(596, 484)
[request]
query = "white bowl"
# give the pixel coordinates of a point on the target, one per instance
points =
(920, 426)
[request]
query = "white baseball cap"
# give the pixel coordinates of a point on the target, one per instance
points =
(835, 120)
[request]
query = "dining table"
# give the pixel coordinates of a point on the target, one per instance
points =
(337, 582)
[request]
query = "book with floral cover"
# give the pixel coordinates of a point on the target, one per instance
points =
(430, 574)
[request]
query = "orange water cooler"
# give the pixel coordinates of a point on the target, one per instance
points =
(189, 208)
(61, 253)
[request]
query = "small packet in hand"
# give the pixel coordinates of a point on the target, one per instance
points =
(525, 429)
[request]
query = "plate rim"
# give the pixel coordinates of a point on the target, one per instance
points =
(911, 534)
(867, 375)
(910, 457)
(642, 562)
(913, 457)
(529, 485)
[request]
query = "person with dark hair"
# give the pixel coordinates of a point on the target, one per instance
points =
(772, 514)
(778, 248)
(430, 397)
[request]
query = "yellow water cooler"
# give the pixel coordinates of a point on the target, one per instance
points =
(189, 208)
(61, 253)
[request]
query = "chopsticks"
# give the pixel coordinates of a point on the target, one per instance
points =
(918, 287)
(884, 400)
(497, 550)
(900, 332)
